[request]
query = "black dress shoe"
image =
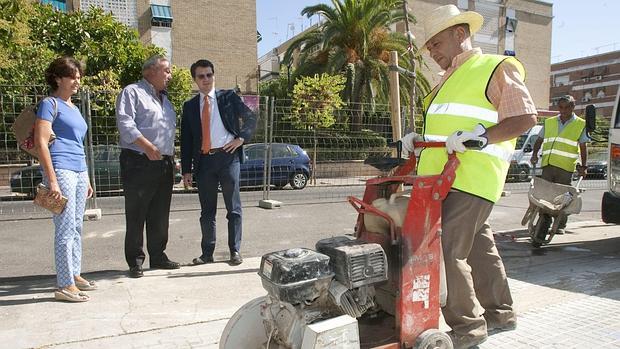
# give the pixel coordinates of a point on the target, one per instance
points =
(235, 258)
(200, 260)
(167, 264)
(136, 272)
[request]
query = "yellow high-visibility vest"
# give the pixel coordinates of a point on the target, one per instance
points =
(459, 105)
(561, 149)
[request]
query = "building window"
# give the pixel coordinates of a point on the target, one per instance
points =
(587, 97)
(161, 16)
(60, 5)
(600, 94)
(561, 80)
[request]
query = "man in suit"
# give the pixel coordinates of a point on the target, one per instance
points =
(214, 127)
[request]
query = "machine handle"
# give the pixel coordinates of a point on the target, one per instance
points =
(473, 144)
(579, 183)
(399, 147)
(470, 144)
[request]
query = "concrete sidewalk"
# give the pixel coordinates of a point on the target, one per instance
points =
(567, 296)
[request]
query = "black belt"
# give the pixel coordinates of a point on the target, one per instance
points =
(137, 153)
(214, 151)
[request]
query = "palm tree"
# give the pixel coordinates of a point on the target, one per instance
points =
(355, 39)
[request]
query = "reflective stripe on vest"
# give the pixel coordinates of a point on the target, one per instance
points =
(460, 104)
(491, 149)
(561, 149)
(464, 110)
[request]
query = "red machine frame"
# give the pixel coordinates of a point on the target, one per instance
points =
(416, 244)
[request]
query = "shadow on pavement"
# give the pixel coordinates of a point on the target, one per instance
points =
(214, 273)
(30, 287)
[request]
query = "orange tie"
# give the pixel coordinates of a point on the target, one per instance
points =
(206, 126)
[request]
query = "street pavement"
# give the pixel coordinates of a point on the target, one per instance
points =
(567, 294)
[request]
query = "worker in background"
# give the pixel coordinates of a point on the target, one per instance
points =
(563, 139)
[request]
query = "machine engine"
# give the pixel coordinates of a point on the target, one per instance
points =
(305, 286)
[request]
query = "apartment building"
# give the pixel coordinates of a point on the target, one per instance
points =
(221, 31)
(590, 80)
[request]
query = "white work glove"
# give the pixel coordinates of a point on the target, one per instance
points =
(456, 140)
(408, 140)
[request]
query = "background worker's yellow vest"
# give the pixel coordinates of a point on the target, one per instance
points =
(561, 149)
(459, 105)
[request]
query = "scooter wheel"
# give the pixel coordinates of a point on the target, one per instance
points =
(433, 339)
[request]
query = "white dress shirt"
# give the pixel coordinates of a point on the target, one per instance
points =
(219, 135)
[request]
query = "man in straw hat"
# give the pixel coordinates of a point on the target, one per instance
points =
(483, 98)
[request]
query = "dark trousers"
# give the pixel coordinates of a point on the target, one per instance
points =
(556, 175)
(214, 170)
(147, 187)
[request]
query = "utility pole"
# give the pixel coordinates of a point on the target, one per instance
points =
(412, 94)
(395, 97)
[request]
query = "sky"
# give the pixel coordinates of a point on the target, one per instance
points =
(580, 28)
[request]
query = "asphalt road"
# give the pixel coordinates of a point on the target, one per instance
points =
(27, 247)
(16, 208)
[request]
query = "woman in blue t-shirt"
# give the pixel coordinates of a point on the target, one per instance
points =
(65, 173)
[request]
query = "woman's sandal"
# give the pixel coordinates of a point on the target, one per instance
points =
(86, 285)
(65, 295)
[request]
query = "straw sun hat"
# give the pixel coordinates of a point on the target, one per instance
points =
(447, 16)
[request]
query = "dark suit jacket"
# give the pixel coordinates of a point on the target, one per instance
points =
(238, 119)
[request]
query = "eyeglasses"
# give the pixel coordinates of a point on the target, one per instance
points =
(204, 76)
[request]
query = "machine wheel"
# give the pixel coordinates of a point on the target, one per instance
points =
(245, 328)
(433, 339)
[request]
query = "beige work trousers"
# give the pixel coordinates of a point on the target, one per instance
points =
(475, 273)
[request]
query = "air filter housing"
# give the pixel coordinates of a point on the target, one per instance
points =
(355, 262)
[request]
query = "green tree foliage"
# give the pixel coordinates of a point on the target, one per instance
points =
(96, 38)
(354, 39)
(315, 101)
(22, 59)
(32, 35)
(278, 88)
(103, 89)
(180, 87)
(179, 90)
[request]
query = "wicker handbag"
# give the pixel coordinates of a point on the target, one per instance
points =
(43, 199)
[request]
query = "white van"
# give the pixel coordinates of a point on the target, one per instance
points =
(610, 208)
(520, 165)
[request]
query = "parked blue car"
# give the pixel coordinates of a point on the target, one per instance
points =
(290, 164)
